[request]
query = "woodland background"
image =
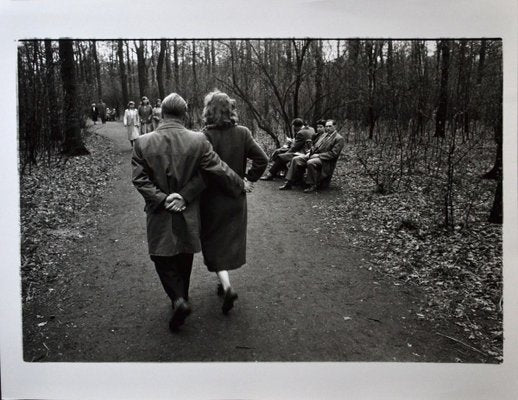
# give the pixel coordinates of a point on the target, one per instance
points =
(432, 101)
(422, 119)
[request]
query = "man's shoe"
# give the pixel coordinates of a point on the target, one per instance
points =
(182, 309)
(287, 186)
(267, 177)
(310, 189)
(228, 300)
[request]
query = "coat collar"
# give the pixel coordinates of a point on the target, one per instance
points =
(171, 123)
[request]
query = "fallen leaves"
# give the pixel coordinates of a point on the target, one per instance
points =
(459, 270)
(52, 198)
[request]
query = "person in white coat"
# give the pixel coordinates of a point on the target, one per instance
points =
(131, 122)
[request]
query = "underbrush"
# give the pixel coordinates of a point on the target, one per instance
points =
(458, 267)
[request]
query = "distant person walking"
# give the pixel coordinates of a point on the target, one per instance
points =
(94, 113)
(157, 113)
(224, 219)
(145, 112)
(131, 122)
(101, 106)
(165, 164)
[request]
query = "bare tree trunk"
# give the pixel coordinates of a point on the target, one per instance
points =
(142, 69)
(93, 48)
(195, 104)
(467, 94)
(442, 106)
(130, 72)
(390, 80)
(151, 69)
(418, 59)
(88, 64)
(51, 93)
(176, 67)
(159, 69)
(82, 64)
(496, 171)
(212, 59)
(73, 143)
(168, 68)
(496, 215)
(390, 63)
(371, 51)
(319, 72)
(122, 72)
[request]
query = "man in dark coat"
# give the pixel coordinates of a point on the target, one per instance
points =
(166, 169)
(102, 110)
(303, 134)
(320, 160)
(94, 113)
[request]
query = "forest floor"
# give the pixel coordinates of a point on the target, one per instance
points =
(322, 282)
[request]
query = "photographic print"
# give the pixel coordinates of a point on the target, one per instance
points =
(258, 200)
(289, 199)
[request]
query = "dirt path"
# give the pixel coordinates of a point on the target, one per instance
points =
(303, 297)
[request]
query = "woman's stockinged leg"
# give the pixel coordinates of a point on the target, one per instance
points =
(224, 278)
(229, 296)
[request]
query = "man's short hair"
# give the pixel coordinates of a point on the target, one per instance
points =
(174, 106)
(333, 122)
(321, 122)
(297, 122)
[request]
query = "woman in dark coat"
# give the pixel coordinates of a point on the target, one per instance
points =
(145, 112)
(94, 113)
(224, 219)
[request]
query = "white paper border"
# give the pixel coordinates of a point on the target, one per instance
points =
(258, 19)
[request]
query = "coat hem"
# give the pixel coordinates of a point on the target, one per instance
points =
(217, 268)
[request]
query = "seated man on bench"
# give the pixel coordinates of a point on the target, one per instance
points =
(302, 134)
(320, 160)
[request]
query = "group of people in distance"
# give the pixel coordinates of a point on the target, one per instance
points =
(143, 119)
(100, 110)
(314, 152)
(194, 185)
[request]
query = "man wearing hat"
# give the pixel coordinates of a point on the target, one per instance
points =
(167, 166)
(303, 134)
(145, 112)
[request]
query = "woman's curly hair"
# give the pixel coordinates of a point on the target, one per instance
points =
(219, 109)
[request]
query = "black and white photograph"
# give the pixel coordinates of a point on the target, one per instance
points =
(343, 199)
(244, 202)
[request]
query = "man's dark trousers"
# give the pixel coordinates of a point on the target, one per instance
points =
(175, 274)
(281, 163)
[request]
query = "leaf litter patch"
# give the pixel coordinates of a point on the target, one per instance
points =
(459, 270)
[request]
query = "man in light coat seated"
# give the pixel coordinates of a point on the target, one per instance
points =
(320, 160)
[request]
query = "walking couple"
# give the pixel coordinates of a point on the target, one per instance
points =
(194, 186)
